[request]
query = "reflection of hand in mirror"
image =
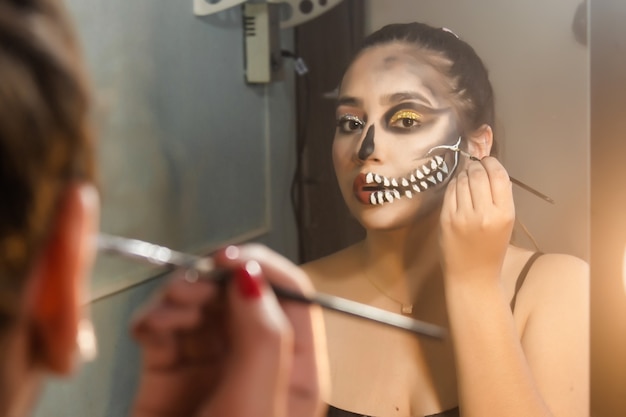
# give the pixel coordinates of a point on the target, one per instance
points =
(437, 249)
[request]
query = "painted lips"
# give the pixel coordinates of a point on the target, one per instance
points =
(375, 189)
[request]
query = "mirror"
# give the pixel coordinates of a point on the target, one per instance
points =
(192, 157)
(540, 71)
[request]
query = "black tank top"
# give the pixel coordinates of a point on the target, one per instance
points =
(454, 412)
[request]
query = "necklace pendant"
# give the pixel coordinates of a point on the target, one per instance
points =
(407, 309)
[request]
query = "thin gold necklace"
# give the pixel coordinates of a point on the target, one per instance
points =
(406, 309)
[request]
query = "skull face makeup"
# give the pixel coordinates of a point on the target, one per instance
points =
(367, 146)
(393, 108)
(437, 167)
(429, 174)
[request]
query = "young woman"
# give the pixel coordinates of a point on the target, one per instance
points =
(437, 248)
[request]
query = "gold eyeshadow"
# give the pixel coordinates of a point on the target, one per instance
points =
(405, 114)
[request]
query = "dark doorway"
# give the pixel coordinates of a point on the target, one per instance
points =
(326, 44)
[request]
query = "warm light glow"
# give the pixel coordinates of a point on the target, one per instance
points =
(624, 269)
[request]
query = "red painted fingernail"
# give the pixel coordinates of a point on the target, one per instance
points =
(248, 280)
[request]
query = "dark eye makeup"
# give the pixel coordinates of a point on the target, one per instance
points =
(349, 123)
(404, 117)
(408, 116)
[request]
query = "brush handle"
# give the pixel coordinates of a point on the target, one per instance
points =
(364, 311)
(204, 268)
(513, 180)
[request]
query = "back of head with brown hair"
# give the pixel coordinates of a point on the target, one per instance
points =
(45, 136)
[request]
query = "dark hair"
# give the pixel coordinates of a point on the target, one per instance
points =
(45, 135)
(472, 89)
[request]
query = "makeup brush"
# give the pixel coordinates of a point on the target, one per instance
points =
(455, 148)
(199, 268)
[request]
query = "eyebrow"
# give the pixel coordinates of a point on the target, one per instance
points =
(404, 96)
(349, 101)
(386, 99)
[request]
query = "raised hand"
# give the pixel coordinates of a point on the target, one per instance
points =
(233, 351)
(477, 220)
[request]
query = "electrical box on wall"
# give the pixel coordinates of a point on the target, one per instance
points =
(263, 20)
(263, 60)
(296, 11)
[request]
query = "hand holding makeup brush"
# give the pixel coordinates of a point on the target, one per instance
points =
(235, 351)
(477, 221)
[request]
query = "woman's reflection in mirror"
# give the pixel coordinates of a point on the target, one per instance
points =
(437, 247)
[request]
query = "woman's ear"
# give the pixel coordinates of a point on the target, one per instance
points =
(57, 292)
(480, 141)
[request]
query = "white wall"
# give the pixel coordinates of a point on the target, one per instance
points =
(541, 78)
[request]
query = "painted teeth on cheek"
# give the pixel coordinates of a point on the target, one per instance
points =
(434, 172)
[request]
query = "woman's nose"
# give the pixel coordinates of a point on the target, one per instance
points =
(367, 145)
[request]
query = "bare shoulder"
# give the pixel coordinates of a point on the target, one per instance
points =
(552, 314)
(330, 271)
(561, 269)
(556, 281)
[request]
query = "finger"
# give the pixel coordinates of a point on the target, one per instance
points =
(479, 186)
(180, 336)
(463, 195)
(276, 268)
(182, 292)
(309, 381)
(172, 318)
(261, 349)
(501, 186)
(178, 304)
(159, 349)
(449, 198)
(254, 307)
